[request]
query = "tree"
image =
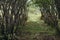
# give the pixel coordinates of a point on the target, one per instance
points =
(57, 2)
(13, 16)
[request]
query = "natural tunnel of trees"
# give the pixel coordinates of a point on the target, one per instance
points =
(14, 14)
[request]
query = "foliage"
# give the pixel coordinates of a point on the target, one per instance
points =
(42, 2)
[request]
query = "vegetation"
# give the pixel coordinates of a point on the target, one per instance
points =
(34, 16)
(49, 12)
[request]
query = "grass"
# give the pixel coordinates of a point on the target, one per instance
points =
(34, 27)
